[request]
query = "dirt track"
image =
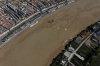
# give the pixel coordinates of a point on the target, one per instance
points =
(37, 46)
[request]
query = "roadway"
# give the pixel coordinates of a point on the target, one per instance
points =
(38, 45)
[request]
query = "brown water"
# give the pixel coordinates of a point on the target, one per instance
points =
(38, 45)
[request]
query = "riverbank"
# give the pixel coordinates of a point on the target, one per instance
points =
(38, 45)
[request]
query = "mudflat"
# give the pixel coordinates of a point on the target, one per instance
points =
(38, 45)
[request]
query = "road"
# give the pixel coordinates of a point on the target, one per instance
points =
(30, 20)
(74, 53)
(38, 45)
